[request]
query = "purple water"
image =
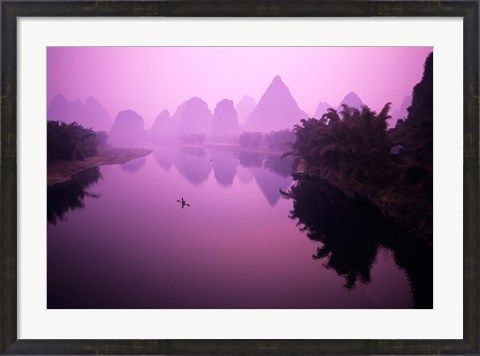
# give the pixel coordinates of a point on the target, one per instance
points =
(132, 245)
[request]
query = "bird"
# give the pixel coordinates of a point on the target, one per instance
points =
(183, 202)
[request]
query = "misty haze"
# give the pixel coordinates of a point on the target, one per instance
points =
(239, 177)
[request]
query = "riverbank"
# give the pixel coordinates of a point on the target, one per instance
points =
(244, 149)
(62, 171)
(398, 201)
(225, 147)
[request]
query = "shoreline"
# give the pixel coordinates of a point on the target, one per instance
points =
(225, 147)
(243, 149)
(62, 171)
(394, 206)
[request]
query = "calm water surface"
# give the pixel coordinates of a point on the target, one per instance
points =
(118, 238)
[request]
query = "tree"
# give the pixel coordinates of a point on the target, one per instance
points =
(280, 139)
(250, 139)
(71, 141)
(192, 139)
(352, 141)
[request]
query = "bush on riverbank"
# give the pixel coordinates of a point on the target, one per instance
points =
(71, 142)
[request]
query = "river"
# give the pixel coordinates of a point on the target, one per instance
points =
(251, 237)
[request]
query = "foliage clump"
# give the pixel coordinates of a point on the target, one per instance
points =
(71, 142)
(351, 142)
(192, 139)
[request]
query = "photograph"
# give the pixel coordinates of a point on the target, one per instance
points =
(239, 177)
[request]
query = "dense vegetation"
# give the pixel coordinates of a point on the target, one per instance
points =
(280, 139)
(250, 139)
(350, 149)
(351, 142)
(72, 141)
(192, 139)
(275, 140)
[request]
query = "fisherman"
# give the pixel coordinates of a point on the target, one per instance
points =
(183, 202)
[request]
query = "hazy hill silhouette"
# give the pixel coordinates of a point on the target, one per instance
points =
(225, 122)
(276, 110)
(322, 108)
(128, 129)
(162, 128)
(179, 112)
(352, 100)
(95, 115)
(90, 115)
(61, 109)
(244, 108)
(194, 117)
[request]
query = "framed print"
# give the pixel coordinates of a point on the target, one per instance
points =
(206, 177)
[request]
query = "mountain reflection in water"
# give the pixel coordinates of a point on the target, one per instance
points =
(193, 163)
(239, 245)
(196, 163)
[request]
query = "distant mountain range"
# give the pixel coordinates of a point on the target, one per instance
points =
(276, 110)
(90, 114)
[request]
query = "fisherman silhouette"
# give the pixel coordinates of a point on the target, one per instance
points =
(183, 202)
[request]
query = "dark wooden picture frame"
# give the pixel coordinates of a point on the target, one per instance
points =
(11, 10)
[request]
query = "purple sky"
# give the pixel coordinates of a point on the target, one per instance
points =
(151, 79)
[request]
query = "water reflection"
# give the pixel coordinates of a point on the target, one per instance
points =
(165, 157)
(69, 196)
(193, 164)
(134, 165)
(273, 177)
(279, 165)
(352, 231)
(270, 184)
(244, 175)
(270, 171)
(250, 159)
(224, 166)
(350, 236)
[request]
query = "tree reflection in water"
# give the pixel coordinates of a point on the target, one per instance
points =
(70, 195)
(352, 231)
(279, 165)
(250, 159)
